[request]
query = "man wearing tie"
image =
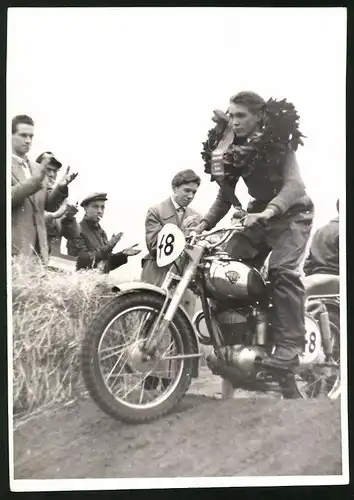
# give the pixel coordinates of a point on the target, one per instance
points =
(29, 194)
(174, 210)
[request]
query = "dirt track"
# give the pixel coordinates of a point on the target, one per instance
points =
(203, 437)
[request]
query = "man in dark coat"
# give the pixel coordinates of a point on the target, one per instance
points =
(92, 248)
(324, 251)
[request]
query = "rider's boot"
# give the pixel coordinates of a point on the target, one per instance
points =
(285, 356)
(151, 382)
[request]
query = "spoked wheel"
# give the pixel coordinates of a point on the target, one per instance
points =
(118, 379)
(325, 381)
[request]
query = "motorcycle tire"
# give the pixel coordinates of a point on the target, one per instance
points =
(93, 378)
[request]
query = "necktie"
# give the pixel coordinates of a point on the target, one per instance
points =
(180, 212)
(26, 169)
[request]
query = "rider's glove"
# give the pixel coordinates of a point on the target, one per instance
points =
(238, 215)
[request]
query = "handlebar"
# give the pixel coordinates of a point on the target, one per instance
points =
(193, 237)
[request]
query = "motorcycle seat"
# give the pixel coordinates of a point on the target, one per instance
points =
(321, 284)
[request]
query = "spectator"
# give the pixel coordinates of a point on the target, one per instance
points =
(92, 247)
(323, 257)
(174, 210)
(62, 222)
(29, 194)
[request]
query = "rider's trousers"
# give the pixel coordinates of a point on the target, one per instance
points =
(286, 238)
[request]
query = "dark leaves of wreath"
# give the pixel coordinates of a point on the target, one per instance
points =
(279, 133)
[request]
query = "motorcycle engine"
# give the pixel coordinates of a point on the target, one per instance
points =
(242, 362)
(239, 356)
(234, 325)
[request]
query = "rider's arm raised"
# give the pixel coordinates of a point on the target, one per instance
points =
(293, 187)
(221, 205)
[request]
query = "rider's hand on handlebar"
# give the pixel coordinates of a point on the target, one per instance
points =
(238, 216)
(252, 219)
(200, 227)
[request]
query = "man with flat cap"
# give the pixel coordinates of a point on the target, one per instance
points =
(92, 248)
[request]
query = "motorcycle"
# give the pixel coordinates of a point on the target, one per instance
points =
(141, 350)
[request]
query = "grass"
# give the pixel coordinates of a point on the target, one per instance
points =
(50, 312)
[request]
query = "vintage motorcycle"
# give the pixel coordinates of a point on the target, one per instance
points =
(141, 350)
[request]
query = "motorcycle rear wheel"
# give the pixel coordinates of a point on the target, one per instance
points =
(93, 374)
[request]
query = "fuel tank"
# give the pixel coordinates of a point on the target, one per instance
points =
(233, 280)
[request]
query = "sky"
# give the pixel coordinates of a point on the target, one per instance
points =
(125, 96)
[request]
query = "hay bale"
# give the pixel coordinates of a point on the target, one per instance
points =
(51, 311)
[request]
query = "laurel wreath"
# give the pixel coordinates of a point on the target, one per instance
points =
(280, 132)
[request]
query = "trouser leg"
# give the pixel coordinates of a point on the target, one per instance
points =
(249, 245)
(288, 238)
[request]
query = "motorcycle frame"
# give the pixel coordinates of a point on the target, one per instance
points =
(195, 254)
(173, 301)
(194, 251)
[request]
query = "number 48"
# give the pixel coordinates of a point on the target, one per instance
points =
(166, 245)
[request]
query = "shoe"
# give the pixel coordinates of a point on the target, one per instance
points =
(284, 357)
(151, 382)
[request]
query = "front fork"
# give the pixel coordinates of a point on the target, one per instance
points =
(165, 316)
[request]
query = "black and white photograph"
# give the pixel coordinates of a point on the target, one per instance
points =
(177, 275)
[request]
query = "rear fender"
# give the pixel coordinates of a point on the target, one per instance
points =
(130, 287)
(331, 302)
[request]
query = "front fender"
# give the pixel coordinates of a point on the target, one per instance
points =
(128, 287)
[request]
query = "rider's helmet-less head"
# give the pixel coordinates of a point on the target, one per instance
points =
(246, 113)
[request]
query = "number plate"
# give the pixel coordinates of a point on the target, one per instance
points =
(313, 342)
(170, 245)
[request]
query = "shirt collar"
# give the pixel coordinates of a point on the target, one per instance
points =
(22, 161)
(175, 204)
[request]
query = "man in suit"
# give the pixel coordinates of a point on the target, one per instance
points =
(92, 248)
(29, 194)
(61, 223)
(174, 210)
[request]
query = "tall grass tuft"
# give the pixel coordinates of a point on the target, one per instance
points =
(50, 311)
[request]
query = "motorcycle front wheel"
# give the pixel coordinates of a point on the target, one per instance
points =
(120, 382)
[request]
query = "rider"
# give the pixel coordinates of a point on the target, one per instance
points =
(257, 140)
(324, 252)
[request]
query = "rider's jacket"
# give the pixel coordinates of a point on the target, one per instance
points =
(324, 252)
(279, 188)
